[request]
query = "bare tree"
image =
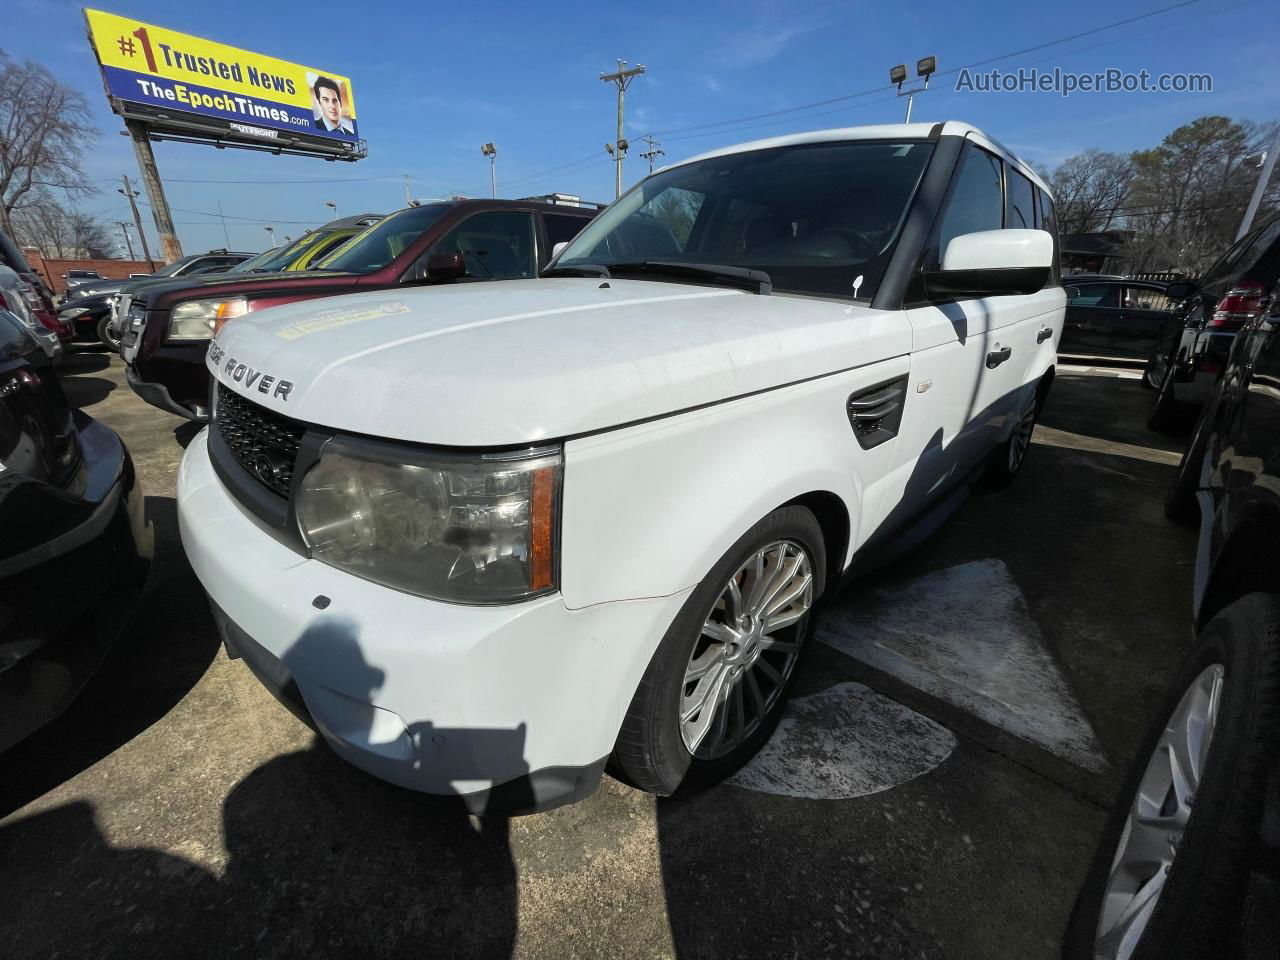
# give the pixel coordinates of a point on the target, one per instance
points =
(42, 222)
(44, 131)
(1090, 191)
(1189, 194)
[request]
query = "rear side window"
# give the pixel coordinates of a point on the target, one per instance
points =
(1019, 212)
(1049, 224)
(1145, 298)
(562, 229)
(975, 202)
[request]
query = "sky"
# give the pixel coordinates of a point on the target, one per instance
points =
(432, 82)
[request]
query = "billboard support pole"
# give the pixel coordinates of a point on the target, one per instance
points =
(155, 190)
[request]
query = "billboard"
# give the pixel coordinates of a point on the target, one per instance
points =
(190, 87)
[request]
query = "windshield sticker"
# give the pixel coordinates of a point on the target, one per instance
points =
(338, 318)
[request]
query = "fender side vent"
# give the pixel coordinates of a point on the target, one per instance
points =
(876, 413)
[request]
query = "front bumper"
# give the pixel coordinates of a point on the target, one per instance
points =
(513, 707)
(157, 394)
(64, 599)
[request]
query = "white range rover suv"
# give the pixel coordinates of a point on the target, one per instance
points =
(489, 537)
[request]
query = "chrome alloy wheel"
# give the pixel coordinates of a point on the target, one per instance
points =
(747, 649)
(1157, 819)
(1021, 438)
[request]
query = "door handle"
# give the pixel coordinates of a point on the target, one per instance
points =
(1044, 335)
(997, 357)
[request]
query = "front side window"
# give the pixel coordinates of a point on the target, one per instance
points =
(384, 241)
(814, 217)
(1019, 206)
(495, 246)
(1095, 295)
(975, 202)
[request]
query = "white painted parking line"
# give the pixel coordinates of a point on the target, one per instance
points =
(965, 636)
(847, 741)
(1052, 437)
(1115, 373)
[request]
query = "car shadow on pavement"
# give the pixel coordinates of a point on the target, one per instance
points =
(151, 666)
(321, 860)
(186, 431)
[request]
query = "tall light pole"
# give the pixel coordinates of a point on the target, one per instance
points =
(618, 149)
(271, 232)
(490, 151)
(1264, 177)
(925, 67)
(332, 206)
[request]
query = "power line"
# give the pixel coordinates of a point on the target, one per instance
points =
(942, 73)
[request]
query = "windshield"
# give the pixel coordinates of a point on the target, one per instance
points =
(384, 241)
(273, 261)
(814, 217)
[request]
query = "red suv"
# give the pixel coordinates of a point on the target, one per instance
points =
(170, 325)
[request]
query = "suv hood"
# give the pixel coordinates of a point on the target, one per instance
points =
(523, 361)
(152, 290)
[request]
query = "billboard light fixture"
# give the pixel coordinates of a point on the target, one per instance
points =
(898, 74)
(926, 65)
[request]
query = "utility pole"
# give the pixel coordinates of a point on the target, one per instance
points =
(124, 229)
(1264, 178)
(653, 151)
(225, 235)
(155, 191)
(132, 196)
(618, 149)
(490, 151)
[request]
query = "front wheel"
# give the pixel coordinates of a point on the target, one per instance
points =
(105, 335)
(1171, 871)
(716, 687)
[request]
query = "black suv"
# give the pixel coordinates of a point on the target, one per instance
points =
(1189, 865)
(74, 546)
(1193, 346)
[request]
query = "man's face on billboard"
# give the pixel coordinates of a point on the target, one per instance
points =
(330, 105)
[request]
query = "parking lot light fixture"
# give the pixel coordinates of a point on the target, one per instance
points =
(332, 206)
(491, 151)
(925, 68)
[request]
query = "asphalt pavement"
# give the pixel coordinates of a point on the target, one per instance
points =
(935, 791)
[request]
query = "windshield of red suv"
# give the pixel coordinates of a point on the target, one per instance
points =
(814, 217)
(384, 241)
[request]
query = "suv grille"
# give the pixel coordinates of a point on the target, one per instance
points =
(264, 443)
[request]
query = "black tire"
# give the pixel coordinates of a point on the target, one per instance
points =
(1149, 380)
(1165, 414)
(1199, 910)
(1005, 461)
(650, 752)
(104, 334)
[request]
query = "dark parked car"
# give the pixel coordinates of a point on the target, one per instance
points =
(1113, 318)
(1193, 346)
(210, 262)
(171, 324)
(93, 315)
(74, 547)
(39, 297)
(1189, 864)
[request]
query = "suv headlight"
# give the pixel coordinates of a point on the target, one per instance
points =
(460, 529)
(201, 319)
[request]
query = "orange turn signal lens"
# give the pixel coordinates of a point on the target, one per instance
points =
(541, 534)
(228, 310)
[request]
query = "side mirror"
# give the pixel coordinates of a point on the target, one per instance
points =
(1181, 290)
(1072, 293)
(992, 263)
(555, 251)
(446, 266)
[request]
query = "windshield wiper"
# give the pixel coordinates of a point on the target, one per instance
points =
(741, 278)
(578, 270)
